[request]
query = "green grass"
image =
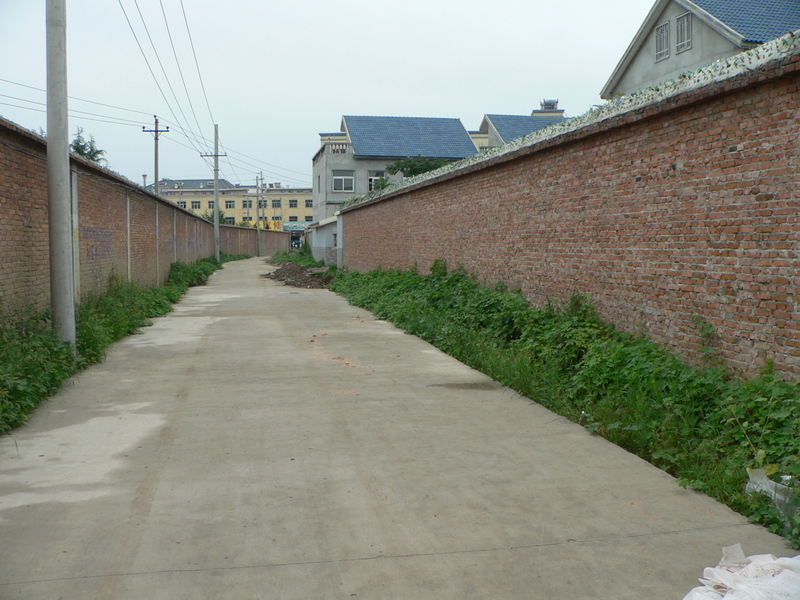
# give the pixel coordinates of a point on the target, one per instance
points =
(701, 424)
(34, 362)
(302, 257)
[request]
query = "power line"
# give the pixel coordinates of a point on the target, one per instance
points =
(164, 71)
(71, 110)
(149, 67)
(178, 64)
(30, 87)
(102, 119)
(197, 64)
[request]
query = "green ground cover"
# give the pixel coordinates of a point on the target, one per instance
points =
(301, 256)
(700, 423)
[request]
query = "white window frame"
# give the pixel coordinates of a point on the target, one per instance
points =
(683, 33)
(230, 204)
(181, 203)
(344, 183)
(309, 218)
(293, 218)
(662, 41)
(276, 203)
(196, 204)
(210, 205)
(247, 203)
(309, 203)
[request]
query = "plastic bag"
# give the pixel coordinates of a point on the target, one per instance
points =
(759, 577)
(782, 496)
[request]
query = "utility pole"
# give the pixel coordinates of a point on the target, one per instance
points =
(155, 131)
(258, 217)
(216, 156)
(59, 205)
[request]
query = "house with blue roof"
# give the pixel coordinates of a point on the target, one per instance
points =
(685, 35)
(352, 161)
(501, 129)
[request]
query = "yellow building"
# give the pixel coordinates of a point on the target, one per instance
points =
(272, 205)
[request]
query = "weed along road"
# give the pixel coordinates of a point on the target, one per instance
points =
(263, 441)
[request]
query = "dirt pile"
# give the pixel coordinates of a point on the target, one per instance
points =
(296, 275)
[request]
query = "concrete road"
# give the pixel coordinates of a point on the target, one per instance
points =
(269, 442)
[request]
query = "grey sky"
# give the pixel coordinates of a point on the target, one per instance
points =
(278, 73)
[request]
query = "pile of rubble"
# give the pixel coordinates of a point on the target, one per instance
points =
(299, 276)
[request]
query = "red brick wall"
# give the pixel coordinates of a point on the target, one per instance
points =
(105, 202)
(685, 208)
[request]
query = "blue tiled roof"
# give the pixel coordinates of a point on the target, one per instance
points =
(402, 137)
(511, 127)
(757, 21)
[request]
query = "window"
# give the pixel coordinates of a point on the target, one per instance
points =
(292, 203)
(262, 204)
(662, 41)
(210, 204)
(195, 204)
(683, 33)
(181, 203)
(374, 179)
(310, 218)
(247, 204)
(276, 203)
(262, 219)
(229, 220)
(277, 218)
(230, 204)
(247, 218)
(309, 203)
(343, 181)
(293, 217)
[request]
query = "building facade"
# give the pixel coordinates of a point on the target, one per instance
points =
(353, 161)
(272, 206)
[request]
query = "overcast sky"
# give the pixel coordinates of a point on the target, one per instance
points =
(277, 73)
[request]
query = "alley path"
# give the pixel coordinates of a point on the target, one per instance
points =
(263, 441)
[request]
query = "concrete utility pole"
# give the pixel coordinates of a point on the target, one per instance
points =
(62, 282)
(258, 217)
(155, 131)
(216, 156)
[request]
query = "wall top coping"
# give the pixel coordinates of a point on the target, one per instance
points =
(765, 62)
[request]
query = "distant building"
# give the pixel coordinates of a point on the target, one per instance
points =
(351, 162)
(274, 206)
(682, 35)
(500, 129)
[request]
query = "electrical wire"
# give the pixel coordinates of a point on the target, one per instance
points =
(166, 77)
(30, 87)
(197, 64)
(149, 67)
(73, 113)
(178, 64)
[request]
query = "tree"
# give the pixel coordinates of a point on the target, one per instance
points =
(87, 148)
(415, 166)
(209, 216)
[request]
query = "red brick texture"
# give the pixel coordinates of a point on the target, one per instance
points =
(122, 229)
(683, 209)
